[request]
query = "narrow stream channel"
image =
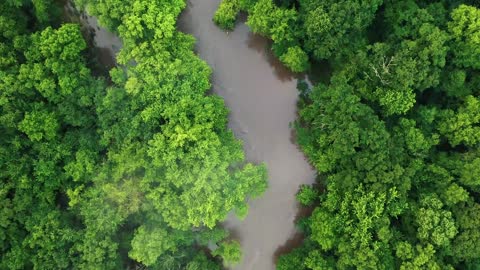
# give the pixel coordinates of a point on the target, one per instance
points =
(261, 95)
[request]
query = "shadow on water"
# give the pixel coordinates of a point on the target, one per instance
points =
(102, 44)
(106, 58)
(263, 46)
(295, 240)
(320, 72)
(281, 71)
(256, 42)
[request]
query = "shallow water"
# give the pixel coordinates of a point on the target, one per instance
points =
(261, 95)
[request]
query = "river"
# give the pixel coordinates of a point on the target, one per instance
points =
(261, 95)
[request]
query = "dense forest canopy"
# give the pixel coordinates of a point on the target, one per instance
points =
(394, 134)
(137, 168)
(109, 173)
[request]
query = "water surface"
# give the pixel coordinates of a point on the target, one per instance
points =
(261, 95)
(106, 44)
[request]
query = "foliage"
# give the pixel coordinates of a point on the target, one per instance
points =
(280, 25)
(230, 252)
(296, 59)
(307, 195)
(394, 132)
(465, 30)
(335, 24)
(90, 173)
(226, 14)
(296, 32)
(48, 146)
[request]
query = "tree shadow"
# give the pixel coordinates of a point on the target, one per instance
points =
(262, 45)
(295, 240)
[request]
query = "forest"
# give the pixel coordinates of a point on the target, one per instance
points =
(394, 131)
(109, 173)
(136, 168)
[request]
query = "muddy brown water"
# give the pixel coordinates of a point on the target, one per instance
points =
(261, 95)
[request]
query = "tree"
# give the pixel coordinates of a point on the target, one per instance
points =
(296, 59)
(87, 169)
(393, 133)
(149, 244)
(464, 29)
(47, 115)
(307, 195)
(461, 126)
(230, 252)
(436, 226)
(226, 14)
(330, 26)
